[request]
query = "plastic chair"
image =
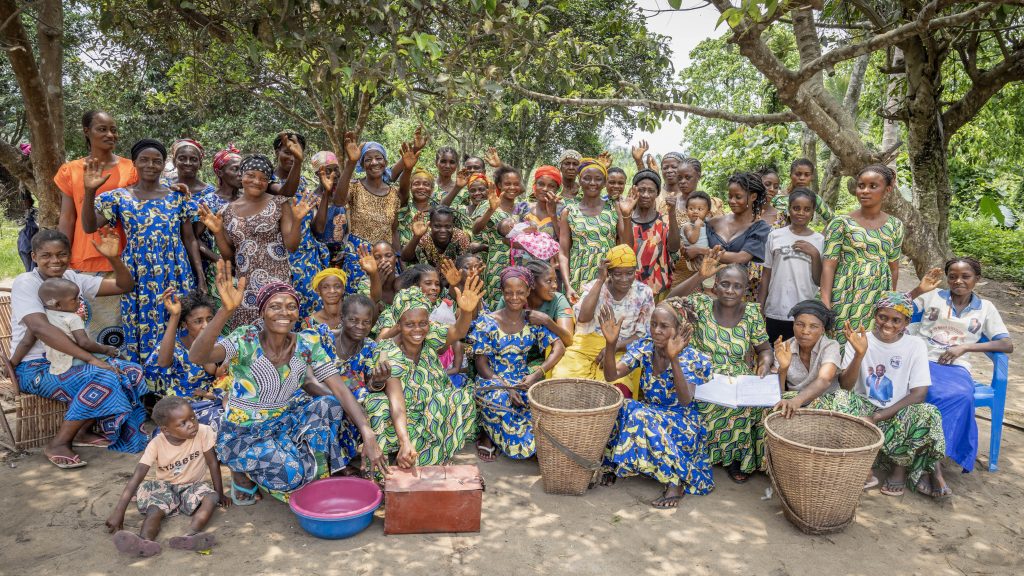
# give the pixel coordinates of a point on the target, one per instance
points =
(993, 396)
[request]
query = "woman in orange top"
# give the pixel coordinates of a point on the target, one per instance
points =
(101, 137)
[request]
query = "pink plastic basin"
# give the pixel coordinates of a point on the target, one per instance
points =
(336, 498)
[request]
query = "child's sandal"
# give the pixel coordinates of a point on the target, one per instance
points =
(251, 492)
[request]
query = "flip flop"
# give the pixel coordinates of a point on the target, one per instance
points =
(97, 443)
(200, 541)
(134, 545)
(871, 483)
(608, 478)
(892, 488)
(235, 488)
(736, 475)
(489, 451)
(924, 487)
(942, 494)
(67, 462)
(666, 502)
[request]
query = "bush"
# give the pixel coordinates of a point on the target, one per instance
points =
(1000, 250)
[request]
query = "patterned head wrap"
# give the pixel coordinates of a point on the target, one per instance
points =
(477, 176)
(621, 256)
(648, 175)
(323, 158)
(411, 298)
(566, 154)
(327, 273)
(224, 156)
(814, 308)
(421, 171)
(367, 148)
(520, 272)
(257, 162)
(549, 171)
(145, 144)
(593, 163)
(182, 142)
(683, 310)
(898, 301)
(675, 155)
(272, 289)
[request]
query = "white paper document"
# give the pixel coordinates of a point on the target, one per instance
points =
(740, 391)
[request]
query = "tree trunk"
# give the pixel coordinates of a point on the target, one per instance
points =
(832, 173)
(890, 127)
(809, 148)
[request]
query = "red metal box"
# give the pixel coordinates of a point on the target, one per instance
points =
(433, 499)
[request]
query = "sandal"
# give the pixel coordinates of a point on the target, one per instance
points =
(251, 492)
(666, 502)
(892, 488)
(871, 483)
(67, 462)
(485, 453)
(942, 494)
(737, 475)
(200, 541)
(134, 545)
(608, 478)
(924, 487)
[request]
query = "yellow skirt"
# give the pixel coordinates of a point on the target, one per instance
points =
(580, 359)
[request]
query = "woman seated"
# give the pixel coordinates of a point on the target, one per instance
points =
(885, 379)
(808, 363)
(952, 323)
(104, 396)
(731, 331)
(501, 342)
(547, 300)
(421, 415)
(616, 287)
(169, 370)
(271, 435)
(662, 436)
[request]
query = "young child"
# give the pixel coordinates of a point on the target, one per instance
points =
(792, 266)
(524, 237)
(694, 230)
(60, 299)
(182, 454)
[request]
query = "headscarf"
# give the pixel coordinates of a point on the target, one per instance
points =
(570, 153)
(814, 308)
(648, 175)
(593, 163)
(621, 256)
(367, 148)
(421, 171)
(271, 289)
(682, 309)
(180, 142)
(898, 301)
(222, 157)
(549, 171)
(411, 298)
(145, 144)
(327, 273)
(477, 176)
(520, 272)
(257, 162)
(675, 155)
(323, 158)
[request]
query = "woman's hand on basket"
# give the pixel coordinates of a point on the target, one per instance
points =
(787, 407)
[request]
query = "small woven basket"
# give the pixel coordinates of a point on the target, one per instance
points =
(818, 461)
(572, 422)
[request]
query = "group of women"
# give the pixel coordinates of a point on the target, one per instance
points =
(407, 310)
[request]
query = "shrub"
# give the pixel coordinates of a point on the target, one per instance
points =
(1000, 250)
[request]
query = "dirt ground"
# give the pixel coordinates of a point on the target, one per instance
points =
(51, 522)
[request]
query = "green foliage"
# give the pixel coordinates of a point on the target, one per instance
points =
(10, 262)
(998, 249)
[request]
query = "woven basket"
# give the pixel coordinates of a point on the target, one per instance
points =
(818, 461)
(572, 421)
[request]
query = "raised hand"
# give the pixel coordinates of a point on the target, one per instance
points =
(230, 295)
(301, 207)
(652, 164)
(677, 343)
(639, 151)
(602, 270)
(930, 281)
(493, 198)
(710, 266)
(452, 275)
(94, 177)
(462, 177)
(610, 327)
(353, 149)
(291, 144)
(857, 338)
(213, 222)
(420, 138)
(410, 155)
(492, 158)
(419, 228)
(783, 355)
(366, 261)
(328, 178)
(605, 158)
(171, 302)
(470, 295)
(628, 202)
(110, 242)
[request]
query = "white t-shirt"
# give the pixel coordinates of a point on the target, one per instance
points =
(889, 371)
(25, 300)
(792, 280)
(937, 323)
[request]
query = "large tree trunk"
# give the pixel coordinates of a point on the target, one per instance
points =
(832, 173)
(890, 127)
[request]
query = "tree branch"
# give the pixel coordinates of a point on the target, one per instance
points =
(986, 85)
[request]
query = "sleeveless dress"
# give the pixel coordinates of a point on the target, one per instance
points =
(260, 254)
(372, 217)
(592, 238)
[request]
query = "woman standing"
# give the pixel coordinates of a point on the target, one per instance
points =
(501, 204)
(187, 157)
(372, 203)
(862, 252)
(587, 231)
(229, 183)
(653, 240)
(270, 436)
(662, 436)
(256, 232)
(418, 210)
(730, 331)
(158, 222)
(544, 211)
(501, 342)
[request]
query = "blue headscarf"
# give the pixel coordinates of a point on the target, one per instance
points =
(379, 148)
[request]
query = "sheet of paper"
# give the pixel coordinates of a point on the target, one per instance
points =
(718, 390)
(756, 391)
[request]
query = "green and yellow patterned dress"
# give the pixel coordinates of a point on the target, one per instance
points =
(406, 216)
(499, 253)
(862, 272)
(441, 417)
(734, 434)
(592, 238)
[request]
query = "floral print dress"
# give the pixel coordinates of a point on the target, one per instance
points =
(156, 257)
(260, 254)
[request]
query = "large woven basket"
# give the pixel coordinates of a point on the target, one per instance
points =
(572, 421)
(818, 461)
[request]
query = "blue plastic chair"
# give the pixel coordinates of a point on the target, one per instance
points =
(994, 396)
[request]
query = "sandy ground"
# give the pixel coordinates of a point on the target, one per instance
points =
(51, 522)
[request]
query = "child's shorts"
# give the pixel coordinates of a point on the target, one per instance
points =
(172, 498)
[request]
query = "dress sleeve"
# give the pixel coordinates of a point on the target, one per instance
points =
(384, 351)
(755, 239)
(896, 247)
(109, 205)
(993, 327)
(386, 320)
(63, 179)
(543, 336)
(769, 260)
(758, 334)
(635, 352)
(835, 233)
(189, 209)
(436, 336)
(232, 342)
(481, 339)
(563, 309)
(695, 365)
(316, 355)
(701, 305)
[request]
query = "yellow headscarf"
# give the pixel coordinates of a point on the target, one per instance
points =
(593, 163)
(420, 171)
(327, 272)
(621, 256)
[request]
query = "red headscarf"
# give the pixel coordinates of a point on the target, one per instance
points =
(223, 156)
(549, 171)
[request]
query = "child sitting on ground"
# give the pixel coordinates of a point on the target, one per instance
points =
(524, 237)
(182, 454)
(60, 299)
